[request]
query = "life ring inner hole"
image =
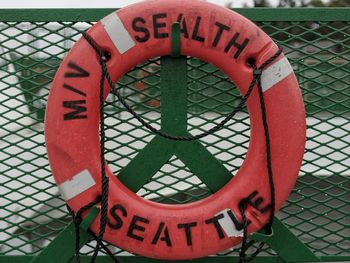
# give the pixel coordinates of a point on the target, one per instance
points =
(209, 97)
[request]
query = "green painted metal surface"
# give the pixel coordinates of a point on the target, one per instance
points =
(316, 41)
(176, 42)
(62, 248)
(260, 14)
(283, 242)
(174, 121)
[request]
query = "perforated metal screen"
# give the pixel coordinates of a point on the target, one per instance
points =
(31, 211)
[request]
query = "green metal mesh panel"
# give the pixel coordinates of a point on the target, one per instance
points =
(318, 211)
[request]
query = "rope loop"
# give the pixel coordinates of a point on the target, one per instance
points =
(211, 131)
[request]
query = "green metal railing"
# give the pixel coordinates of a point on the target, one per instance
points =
(317, 213)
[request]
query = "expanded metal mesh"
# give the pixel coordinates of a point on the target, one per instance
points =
(31, 211)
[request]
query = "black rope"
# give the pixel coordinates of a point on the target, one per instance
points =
(109, 253)
(268, 157)
(104, 178)
(268, 227)
(77, 220)
(245, 244)
(105, 248)
(217, 127)
(257, 72)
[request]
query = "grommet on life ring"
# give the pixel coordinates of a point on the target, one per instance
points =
(213, 34)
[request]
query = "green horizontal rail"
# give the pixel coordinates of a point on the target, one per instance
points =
(256, 14)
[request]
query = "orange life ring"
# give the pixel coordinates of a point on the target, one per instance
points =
(213, 34)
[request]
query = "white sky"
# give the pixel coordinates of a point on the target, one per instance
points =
(90, 3)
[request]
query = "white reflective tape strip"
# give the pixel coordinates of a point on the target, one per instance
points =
(228, 225)
(118, 33)
(275, 73)
(76, 185)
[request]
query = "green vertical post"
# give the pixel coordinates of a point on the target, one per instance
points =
(173, 74)
(174, 95)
